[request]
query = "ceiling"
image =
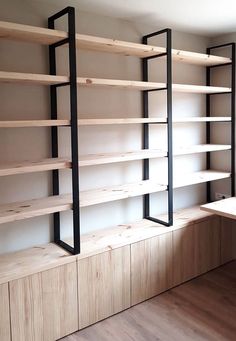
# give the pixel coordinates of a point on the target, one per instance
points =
(204, 17)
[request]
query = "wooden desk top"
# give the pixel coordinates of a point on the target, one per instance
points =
(225, 207)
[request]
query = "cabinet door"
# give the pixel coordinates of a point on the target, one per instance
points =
(228, 239)
(4, 313)
(103, 285)
(44, 305)
(207, 248)
(184, 253)
(151, 267)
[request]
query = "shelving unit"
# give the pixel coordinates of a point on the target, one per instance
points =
(58, 203)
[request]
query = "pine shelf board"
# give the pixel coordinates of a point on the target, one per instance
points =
(109, 121)
(201, 148)
(199, 177)
(100, 159)
(42, 79)
(225, 208)
(47, 36)
(26, 262)
(31, 78)
(33, 166)
(202, 119)
(34, 123)
(139, 85)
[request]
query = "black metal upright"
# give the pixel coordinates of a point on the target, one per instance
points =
(70, 12)
(145, 94)
(208, 113)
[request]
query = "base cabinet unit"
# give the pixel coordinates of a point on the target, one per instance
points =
(44, 305)
(5, 333)
(103, 285)
(228, 238)
(151, 267)
(196, 249)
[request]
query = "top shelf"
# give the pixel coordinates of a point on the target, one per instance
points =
(47, 36)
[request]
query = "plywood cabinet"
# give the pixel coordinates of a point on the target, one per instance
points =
(228, 236)
(4, 313)
(151, 267)
(196, 249)
(103, 285)
(44, 305)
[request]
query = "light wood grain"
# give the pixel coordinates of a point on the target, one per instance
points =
(103, 285)
(151, 267)
(207, 250)
(42, 305)
(201, 148)
(44, 36)
(18, 264)
(184, 262)
(198, 177)
(138, 85)
(34, 123)
(108, 121)
(227, 229)
(225, 207)
(5, 333)
(34, 208)
(33, 166)
(31, 78)
(201, 119)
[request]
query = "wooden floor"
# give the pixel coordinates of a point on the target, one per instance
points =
(201, 309)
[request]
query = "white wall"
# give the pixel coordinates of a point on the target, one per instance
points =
(25, 102)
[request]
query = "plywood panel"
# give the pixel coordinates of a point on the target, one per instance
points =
(151, 267)
(227, 239)
(4, 313)
(184, 245)
(207, 239)
(103, 285)
(43, 306)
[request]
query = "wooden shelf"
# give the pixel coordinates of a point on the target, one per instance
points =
(33, 166)
(202, 119)
(137, 85)
(34, 123)
(109, 121)
(199, 177)
(31, 78)
(19, 264)
(103, 158)
(40, 79)
(225, 207)
(201, 148)
(45, 36)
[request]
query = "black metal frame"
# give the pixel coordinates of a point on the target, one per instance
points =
(145, 93)
(70, 12)
(208, 113)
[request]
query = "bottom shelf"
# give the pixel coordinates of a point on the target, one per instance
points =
(40, 258)
(36, 207)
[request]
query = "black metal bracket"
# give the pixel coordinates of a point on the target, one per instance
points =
(208, 113)
(168, 89)
(70, 12)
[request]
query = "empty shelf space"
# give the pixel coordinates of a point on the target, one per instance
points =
(225, 207)
(110, 121)
(33, 166)
(201, 148)
(202, 119)
(31, 78)
(34, 123)
(46, 36)
(41, 79)
(199, 177)
(34, 208)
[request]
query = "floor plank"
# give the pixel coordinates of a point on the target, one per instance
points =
(199, 310)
